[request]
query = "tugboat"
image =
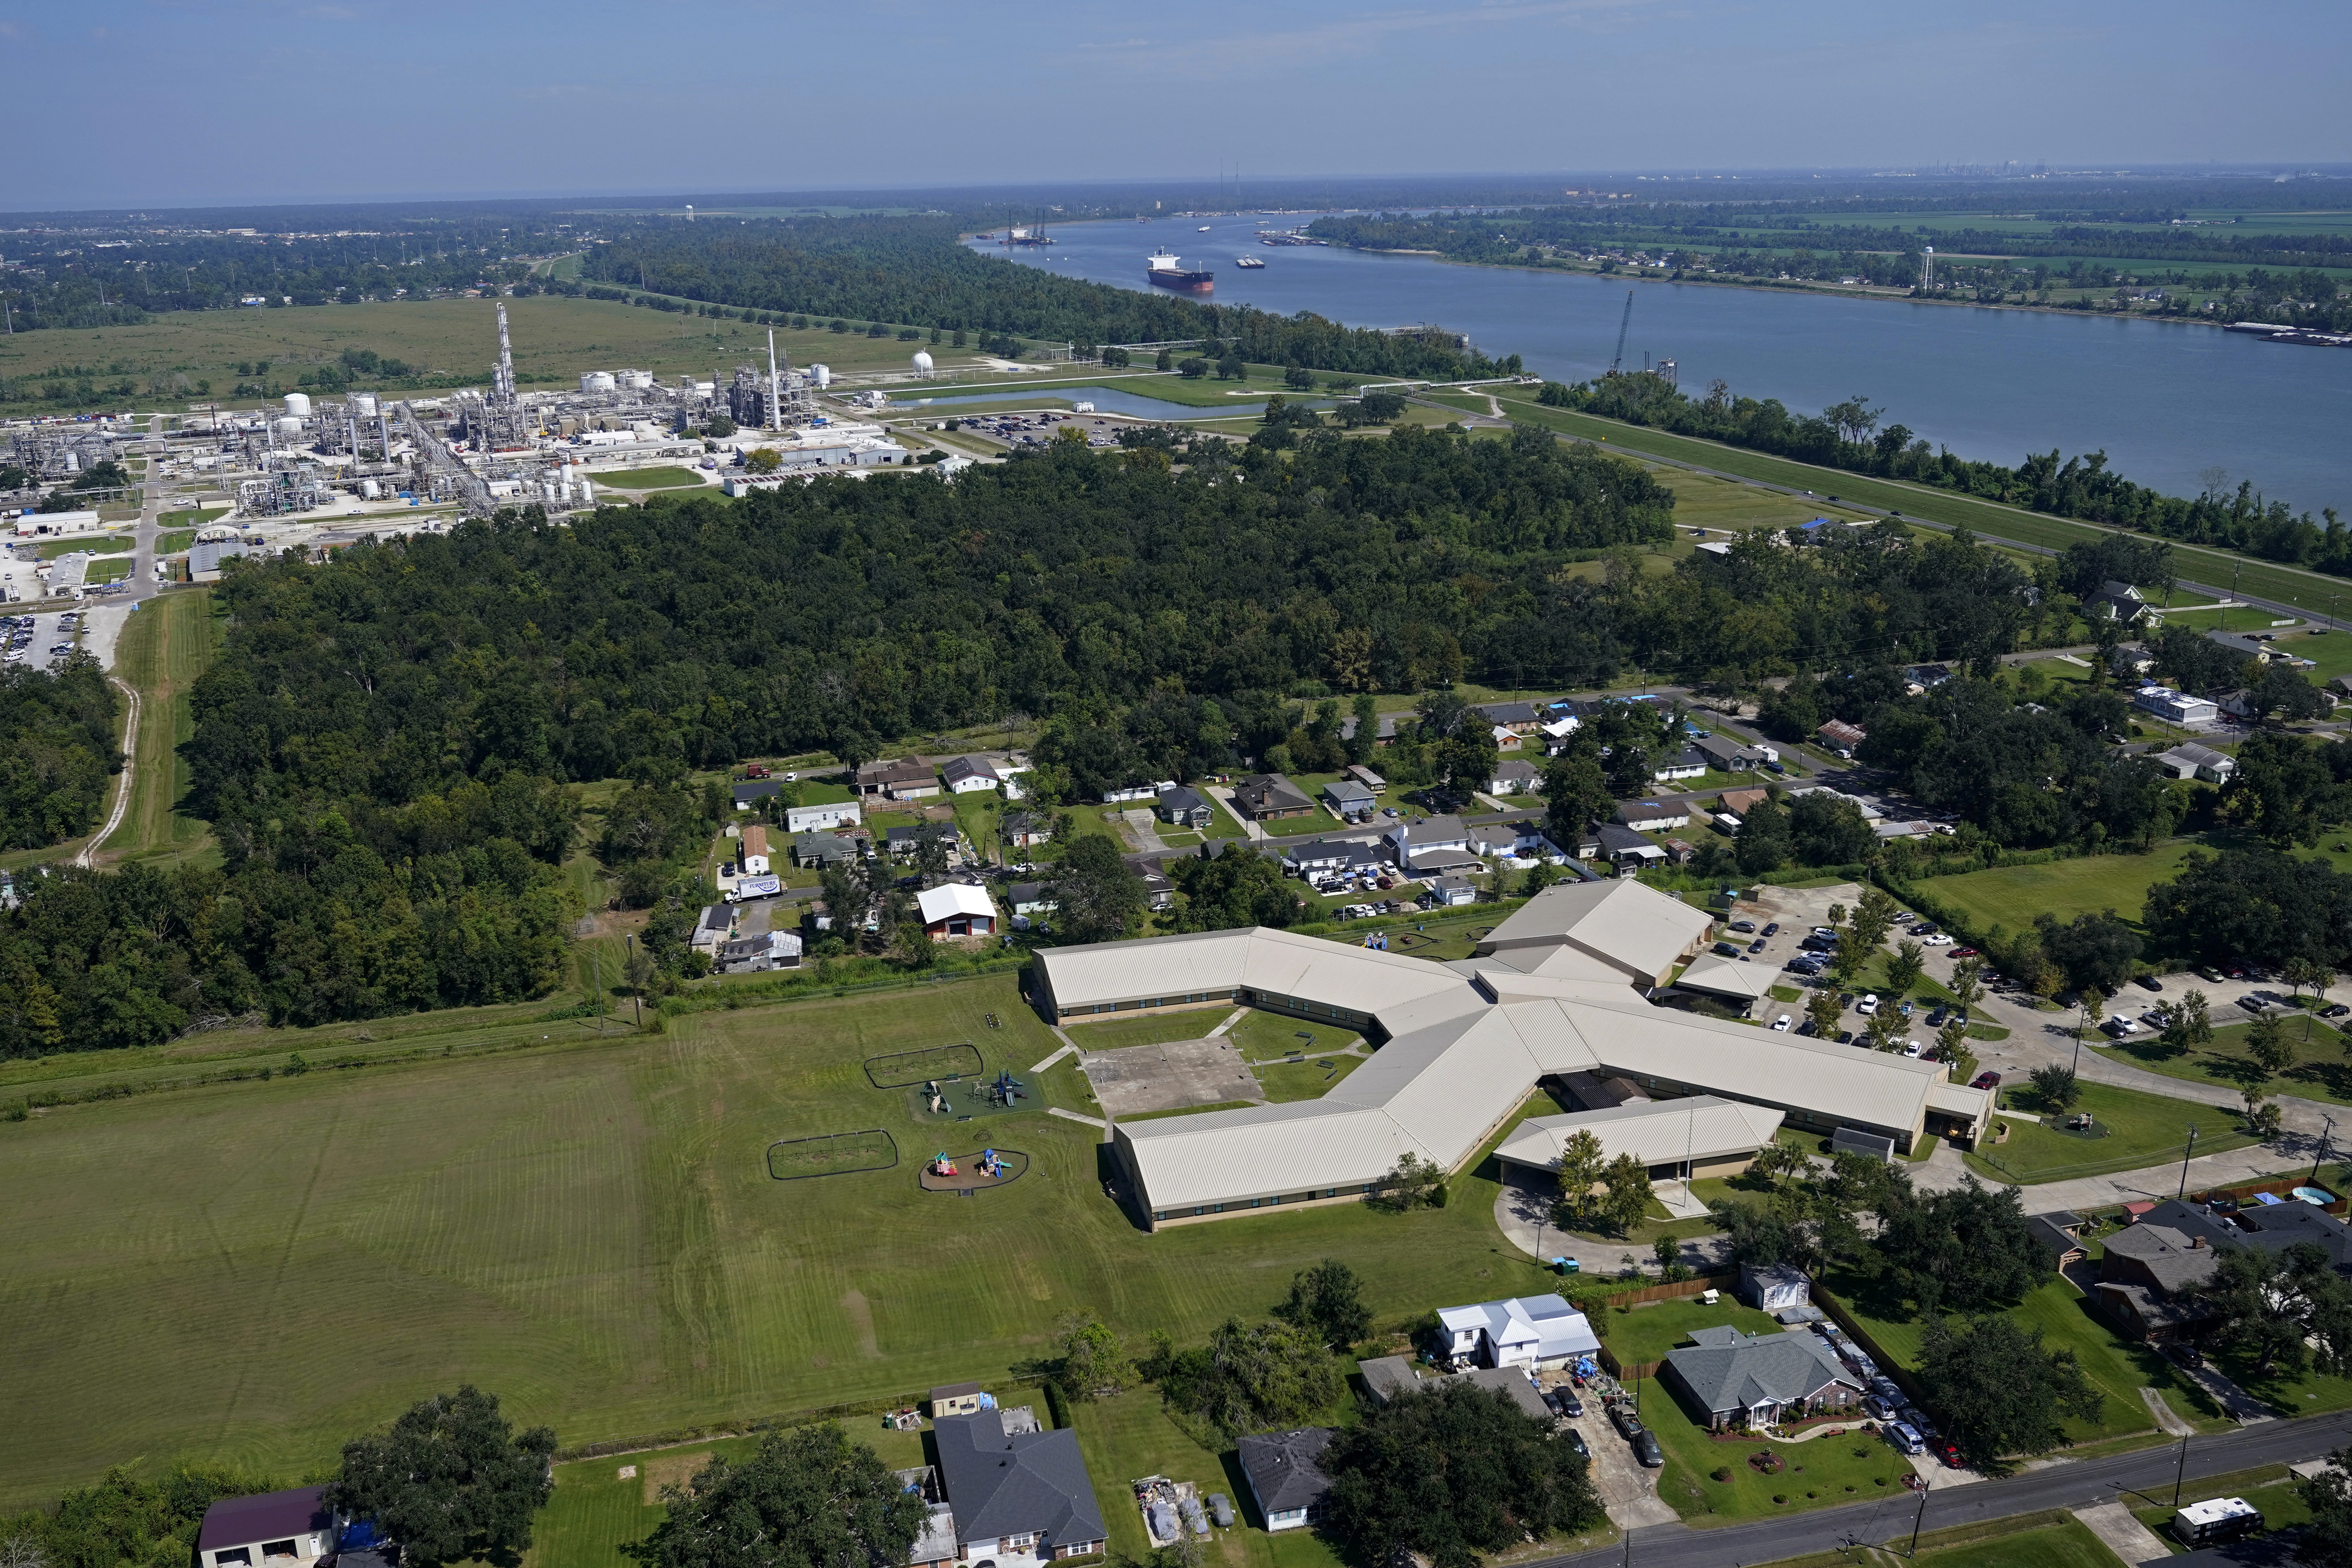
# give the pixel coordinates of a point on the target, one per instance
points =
(1167, 272)
(1248, 263)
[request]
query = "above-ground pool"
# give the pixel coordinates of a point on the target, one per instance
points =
(2319, 1195)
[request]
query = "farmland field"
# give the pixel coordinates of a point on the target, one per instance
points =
(251, 1272)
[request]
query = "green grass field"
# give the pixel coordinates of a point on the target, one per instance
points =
(1647, 1332)
(2322, 1071)
(662, 479)
(2141, 1129)
(2090, 884)
(170, 642)
(593, 1234)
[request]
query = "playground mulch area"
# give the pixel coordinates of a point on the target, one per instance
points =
(1012, 1164)
(1172, 1076)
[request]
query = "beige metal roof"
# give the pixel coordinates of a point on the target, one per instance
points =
(953, 899)
(1960, 1100)
(1727, 977)
(1641, 930)
(1658, 1132)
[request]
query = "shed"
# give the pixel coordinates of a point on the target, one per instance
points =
(1772, 1289)
(956, 1399)
(280, 1528)
(1285, 1476)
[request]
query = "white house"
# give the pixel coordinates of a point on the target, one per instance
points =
(284, 1527)
(2179, 707)
(2190, 760)
(1427, 838)
(1690, 762)
(822, 818)
(1653, 815)
(969, 775)
(1513, 776)
(1526, 1331)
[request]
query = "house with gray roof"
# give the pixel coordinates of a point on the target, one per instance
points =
(1735, 1380)
(2147, 1268)
(1348, 800)
(1264, 797)
(1285, 1476)
(1184, 808)
(1015, 1492)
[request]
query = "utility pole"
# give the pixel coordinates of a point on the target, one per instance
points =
(596, 962)
(2324, 1139)
(636, 998)
(2185, 1157)
(2180, 1476)
(1919, 1518)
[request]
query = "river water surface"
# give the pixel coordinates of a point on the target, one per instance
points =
(2164, 400)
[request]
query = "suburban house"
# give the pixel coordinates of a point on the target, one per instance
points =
(2190, 760)
(2117, 601)
(1513, 776)
(1841, 737)
(710, 928)
(1738, 1380)
(1622, 847)
(1527, 838)
(1349, 801)
(1383, 732)
(1391, 1377)
(1266, 798)
(1433, 843)
(1919, 677)
(1130, 793)
(1024, 829)
(1770, 1288)
(1185, 807)
(752, 791)
(1560, 988)
(1740, 802)
(2130, 661)
(969, 775)
(1654, 816)
(2247, 646)
(2177, 707)
(1016, 1491)
(1688, 763)
(1366, 778)
(905, 779)
(1450, 892)
(1677, 1139)
(956, 908)
(827, 850)
(1519, 718)
(282, 1528)
(1159, 889)
(1527, 1330)
(1728, 755)
(1324, 857)
(1028, 901)
(2148, 1264)
(903, 842)
(758, 955)
(822, 818)
(1285, 1476)
(753, 855)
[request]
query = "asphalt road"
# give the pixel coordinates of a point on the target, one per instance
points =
(2075, 1484)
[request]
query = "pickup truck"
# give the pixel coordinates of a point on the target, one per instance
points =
(755, 888)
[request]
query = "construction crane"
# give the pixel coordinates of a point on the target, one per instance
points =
(1623, 322)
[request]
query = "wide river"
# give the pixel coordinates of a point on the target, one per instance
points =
(2164, 400)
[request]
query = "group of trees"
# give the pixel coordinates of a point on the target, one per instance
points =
(1595, 1193)
(57, 750)
(1858, 440)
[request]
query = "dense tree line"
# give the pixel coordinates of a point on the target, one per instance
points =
(57, 750)
(1853, 436)
(913, 271)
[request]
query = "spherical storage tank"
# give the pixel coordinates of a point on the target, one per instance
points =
(298, 405)
(923, 363)
(822, 375)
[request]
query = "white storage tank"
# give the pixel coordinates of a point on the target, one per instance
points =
(636, 380)
(364, 405)
(923, 363)
(822, 375)
(297, 403)
(370, 490)
(596, 381)
(289, 426)
(587, 490)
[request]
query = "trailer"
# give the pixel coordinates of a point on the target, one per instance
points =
(754, 887)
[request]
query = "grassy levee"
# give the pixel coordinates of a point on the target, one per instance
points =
(588, 1228)
(169, 643)
(2304, 590)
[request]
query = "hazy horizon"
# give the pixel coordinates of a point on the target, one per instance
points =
(262, 104)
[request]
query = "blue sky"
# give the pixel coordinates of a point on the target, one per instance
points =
(174, 103)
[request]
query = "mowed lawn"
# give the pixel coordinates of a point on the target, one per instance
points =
(2089, 885)
(252, 1272)
(2139, 1130)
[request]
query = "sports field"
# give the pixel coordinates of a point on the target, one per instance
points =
(253, 1271)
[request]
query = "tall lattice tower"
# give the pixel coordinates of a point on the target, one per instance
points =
(502, 385)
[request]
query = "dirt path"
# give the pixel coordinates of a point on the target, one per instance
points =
(129, 772)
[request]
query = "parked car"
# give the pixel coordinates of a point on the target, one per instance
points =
(1845, 1037)
(1866, 1006)
(1984, 1080)
(1781, 1023)
(1825, 931)
(1879, 1409)
(1570, 1405)
(1947, 1451)
(1646, 1449)
(1923, 930)
(1628, 1424)
(2335, 1010)
(2253, 1002)
(1964, 952)
(1743, 925)
(1576, 1441)
(1904, 1439)
(2148, 983)
(1773, 928)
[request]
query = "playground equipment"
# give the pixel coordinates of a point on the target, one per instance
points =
(1004, 1089)
(933, 1100)
(990, 1166)
(941, 1165)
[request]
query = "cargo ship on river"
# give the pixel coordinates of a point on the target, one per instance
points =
(1166, 271)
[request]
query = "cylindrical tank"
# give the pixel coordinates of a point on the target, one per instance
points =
(634, 380)
(923, 363)
(289, 426)
(370, 490)
(595, 380)
(587, 490)
(364, 405)
(822, 375)
(297, 403)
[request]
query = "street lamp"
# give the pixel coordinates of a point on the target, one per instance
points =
(2190, 1155)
